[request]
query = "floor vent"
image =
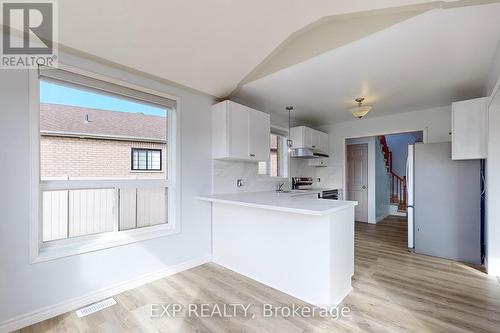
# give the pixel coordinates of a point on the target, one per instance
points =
(93, 308)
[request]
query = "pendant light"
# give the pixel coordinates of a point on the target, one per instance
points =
(289, 141)
(361, 110)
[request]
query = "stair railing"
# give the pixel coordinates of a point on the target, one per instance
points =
(397, 183)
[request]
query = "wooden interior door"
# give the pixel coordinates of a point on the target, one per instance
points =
(357, 179)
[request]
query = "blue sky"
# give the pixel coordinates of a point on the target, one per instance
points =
(57, 94)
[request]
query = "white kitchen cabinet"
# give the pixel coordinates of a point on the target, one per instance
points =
(305, 137)
(259, 135)
(240, 133)
(469, 129)
(322, 141)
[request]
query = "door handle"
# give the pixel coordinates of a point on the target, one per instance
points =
(363, 187)
(251, 155)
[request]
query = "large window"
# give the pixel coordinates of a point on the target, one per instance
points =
(106, 160)
(277, 166)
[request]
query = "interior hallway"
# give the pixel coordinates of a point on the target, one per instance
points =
(394, 291)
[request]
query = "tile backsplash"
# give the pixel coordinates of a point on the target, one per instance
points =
(226, 174)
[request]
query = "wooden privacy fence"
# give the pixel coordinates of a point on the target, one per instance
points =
(72, 213)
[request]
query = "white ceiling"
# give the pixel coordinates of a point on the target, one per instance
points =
(208, 45)
(427, 61)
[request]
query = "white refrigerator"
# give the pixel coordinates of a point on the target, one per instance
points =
(443, 203)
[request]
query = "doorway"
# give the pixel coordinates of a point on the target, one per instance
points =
(357, 179)
(375, 176)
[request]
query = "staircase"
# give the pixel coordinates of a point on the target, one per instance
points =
(397, 184)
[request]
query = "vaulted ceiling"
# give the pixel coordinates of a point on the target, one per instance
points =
(318, 55)
(210, 45)
(426, 61)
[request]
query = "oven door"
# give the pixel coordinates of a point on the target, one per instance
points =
(330, 195)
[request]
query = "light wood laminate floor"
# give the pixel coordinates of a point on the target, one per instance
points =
(394, 291)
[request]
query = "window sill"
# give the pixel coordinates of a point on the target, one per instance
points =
(75, 246)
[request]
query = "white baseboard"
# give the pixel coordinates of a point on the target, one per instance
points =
(381, 217)
(76, 303)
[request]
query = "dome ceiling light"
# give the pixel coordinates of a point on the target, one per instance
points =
(360, 111)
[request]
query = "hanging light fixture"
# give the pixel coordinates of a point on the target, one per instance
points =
(289, 141)
(360, 111)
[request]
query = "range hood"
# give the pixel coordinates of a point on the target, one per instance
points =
(308, 153)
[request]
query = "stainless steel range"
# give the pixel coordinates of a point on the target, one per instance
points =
(305, 184)
(302, 183)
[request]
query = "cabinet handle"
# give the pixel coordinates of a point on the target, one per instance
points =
(314, 146)
(251, 155)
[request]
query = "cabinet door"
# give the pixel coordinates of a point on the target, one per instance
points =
(315, 140)
(238, 131)
(297, 136)
(323, 142)
(309, 138)
(260, 132)
(469, 129)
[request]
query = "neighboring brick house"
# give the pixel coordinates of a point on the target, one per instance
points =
(81, 142)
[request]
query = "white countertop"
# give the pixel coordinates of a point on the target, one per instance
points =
(293, 202)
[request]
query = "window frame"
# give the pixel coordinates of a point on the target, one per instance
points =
(132, 150)
(40, 251)
(283, 133)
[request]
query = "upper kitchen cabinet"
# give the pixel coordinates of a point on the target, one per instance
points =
(240, 133)
(305, 137)
(469, 129)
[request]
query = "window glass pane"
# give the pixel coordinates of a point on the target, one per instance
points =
(149, 160)
(155, 160)
(277, 166)
(262, 168)
(151, 206)
(91, 211)
(142, 160)
(77, 213)
(54, 215)
(89, 134)
(135, 159)
(143, 207)
(273, 160)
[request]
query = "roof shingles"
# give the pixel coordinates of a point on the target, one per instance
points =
(68, 120)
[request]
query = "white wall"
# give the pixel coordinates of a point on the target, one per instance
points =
(493, 188)
(372, 206)
(436, 124)
(26, 287)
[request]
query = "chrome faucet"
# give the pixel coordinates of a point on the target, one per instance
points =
(279, 187)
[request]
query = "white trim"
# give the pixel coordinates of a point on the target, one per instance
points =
(80, 184)
(101, 136)
(34, 160)
(491, 261)
(381, 217)
(89, 243)
(95, 242)
(78, 302)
